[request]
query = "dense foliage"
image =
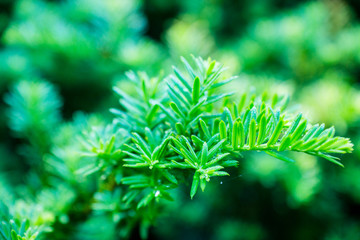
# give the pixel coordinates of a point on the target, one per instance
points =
(103, 139)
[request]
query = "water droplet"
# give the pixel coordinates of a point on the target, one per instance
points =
(157, 193)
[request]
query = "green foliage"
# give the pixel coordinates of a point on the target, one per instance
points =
(260, 128)
(16, 229)
(33, 114)
(196, 137)
(103, 143)
(68, 33)
(34, 108)
(191, 96)
(287, 46)
(66, 174)
(139, 112)
(159, 141)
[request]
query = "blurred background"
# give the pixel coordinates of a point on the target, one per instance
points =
(64, 56)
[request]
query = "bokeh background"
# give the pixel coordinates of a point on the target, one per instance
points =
(64, 56)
